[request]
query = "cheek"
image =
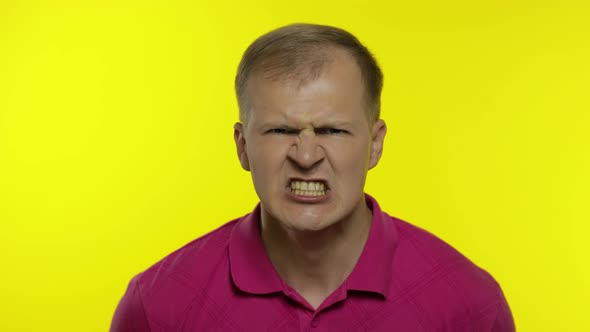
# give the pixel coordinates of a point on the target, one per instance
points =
(266, 157)
(349, 163)
(349, 156)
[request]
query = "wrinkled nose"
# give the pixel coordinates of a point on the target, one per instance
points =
(306, 153)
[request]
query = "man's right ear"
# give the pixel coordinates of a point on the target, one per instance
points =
(240, 140)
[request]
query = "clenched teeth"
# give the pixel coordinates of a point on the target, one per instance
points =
(307, 185)
(308, 188)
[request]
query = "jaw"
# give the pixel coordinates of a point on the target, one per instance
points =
(309, 212)
(313, 226)
(299, 213)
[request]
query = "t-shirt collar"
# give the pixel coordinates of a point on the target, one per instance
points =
(252, 271)
(373, 270)
(250, 268)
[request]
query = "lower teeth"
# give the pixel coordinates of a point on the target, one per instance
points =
(308, 192)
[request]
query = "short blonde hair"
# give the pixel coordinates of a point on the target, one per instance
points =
(300, 51)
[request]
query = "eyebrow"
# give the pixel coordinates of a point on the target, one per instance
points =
(335, 124)
(326, 124)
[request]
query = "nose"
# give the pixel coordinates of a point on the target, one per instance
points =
(306, 153)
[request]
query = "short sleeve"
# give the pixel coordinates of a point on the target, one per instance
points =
(130, 315)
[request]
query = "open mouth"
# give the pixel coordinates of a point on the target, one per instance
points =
(308, 188)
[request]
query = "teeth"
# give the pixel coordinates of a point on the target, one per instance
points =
(309, 192)
(305, 188)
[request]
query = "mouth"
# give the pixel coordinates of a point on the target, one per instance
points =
(309, 188)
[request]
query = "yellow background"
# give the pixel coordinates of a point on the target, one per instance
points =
(116, 141)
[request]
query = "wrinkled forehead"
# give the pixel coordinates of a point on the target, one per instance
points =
(336, 92)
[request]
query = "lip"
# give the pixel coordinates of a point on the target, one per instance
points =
(307, 199)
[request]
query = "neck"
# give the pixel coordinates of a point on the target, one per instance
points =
(315, 263)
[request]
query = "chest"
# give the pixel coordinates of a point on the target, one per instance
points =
(266, 314)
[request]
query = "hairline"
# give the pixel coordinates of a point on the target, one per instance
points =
(302, 76)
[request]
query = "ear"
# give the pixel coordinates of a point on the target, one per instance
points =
(377, 138)
(240, 140)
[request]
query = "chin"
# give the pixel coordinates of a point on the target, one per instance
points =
(309, 224)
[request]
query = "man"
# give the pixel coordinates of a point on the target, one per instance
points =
(316, 253)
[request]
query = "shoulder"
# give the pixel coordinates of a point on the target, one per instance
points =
(191, 261)
(428, 254)
(156, 296)
(446, 286)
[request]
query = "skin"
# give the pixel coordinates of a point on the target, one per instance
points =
(318, 130)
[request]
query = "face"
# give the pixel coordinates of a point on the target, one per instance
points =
(309, 146)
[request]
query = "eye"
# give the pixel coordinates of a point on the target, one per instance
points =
(281, 131)
(330, 131)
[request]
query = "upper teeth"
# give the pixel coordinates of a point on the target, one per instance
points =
(305, 185)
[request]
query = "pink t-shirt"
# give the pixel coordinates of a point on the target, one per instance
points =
(405, 280)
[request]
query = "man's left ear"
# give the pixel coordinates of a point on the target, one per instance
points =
(377, 138)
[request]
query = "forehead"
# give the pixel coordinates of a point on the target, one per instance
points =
(336, 91)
